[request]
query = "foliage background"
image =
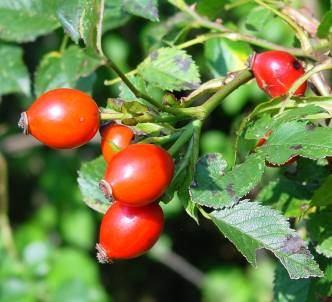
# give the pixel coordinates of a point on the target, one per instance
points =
(55, 233)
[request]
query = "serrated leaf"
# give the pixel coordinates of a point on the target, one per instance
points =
(257, 18)
(81, 20)
(88, 179)
(223, 55)
(324, 27)
(14, 76)
(144, 8)
(266, 122)
(64, 69)
(297, 138)
(170, 69)
(323, 195)
(215, 187)
(251, 226)
(23, 21)
(288, 290)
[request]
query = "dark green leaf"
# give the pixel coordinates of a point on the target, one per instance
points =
(257, 18)
(286, 195)
(81, 20)
(210, 8)
(323, 196)
(251, 226)
(88, 179)
(288, 290)
(325, 26)
(215, 187)
(114, 15)
(64, 69)
(23, 21)
(223, 55)
(14, 75)
(320, 229)
(297, 138)
(144, 8)
(171, 69)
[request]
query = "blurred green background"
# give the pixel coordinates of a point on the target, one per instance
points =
(55, 232)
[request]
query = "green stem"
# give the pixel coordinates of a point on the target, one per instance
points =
(241, 78)
(300, 33)
(182, 140)
(64, 43)
(235, 36)
(5, 229)
(161, 140)
(118, 79)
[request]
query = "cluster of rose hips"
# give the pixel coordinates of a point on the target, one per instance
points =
(137, 175)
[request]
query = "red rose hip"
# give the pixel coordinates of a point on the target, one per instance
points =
(276, 71)
(62, 118)
(114, 138)
(128, 232)
(138, 175)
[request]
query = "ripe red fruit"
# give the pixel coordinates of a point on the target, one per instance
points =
(263, 140)
(128, 232)
(138, 175)
(62, 118)
(276, 71)
(114, 138)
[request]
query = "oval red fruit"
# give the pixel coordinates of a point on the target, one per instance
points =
(128, 232)
(115, 138)
(138, 175)
(276, 71)
(62, 118)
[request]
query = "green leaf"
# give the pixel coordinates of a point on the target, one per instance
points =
(320, 229)
(251, 226)
(323, 196)
(297, 138)
(127, 95)
(257, 18)
(210, 8)
(89, 176)
(64, 69)
(266, 122)
(223, 55)
(14, 76)
(286, 195)
(324, 27)
(215, 187)
(170, 69)
(288, 290)
(81, 20)
(114, 15)
(144, 8)
(23, 21)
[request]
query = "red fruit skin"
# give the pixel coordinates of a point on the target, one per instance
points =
(114, 139)
(63, 118)
(276, 71)
(139, 174)
(128, 232)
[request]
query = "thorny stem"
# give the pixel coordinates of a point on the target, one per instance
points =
(5, 230)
